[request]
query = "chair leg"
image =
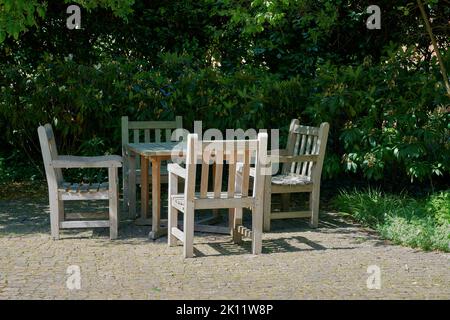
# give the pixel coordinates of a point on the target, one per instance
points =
(172, 222)
(61, 210)
(113, 202)
(172, 215)
(237, 237)
(188, 231)
(125, 184)
(231, 222)
(314, 206)
(132, 186)
(54, 214)
(257, 227)
(267, 203)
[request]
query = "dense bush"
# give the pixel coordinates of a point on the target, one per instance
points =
(233, 64)
(385, 119)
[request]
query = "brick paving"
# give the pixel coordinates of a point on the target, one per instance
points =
(297, 263)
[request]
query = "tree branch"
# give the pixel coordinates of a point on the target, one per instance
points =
(435, 46)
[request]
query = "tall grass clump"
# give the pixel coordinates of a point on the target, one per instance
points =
(418, 223)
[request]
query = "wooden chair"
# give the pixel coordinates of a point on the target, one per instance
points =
(144, 132)
(222, 153)
(59, 190)
(301, 171)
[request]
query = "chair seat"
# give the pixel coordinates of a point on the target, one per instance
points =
(291, 179)
(202, 203)
(83, 187)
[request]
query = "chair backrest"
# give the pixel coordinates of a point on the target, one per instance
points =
(305, 140)
(49, 153)
(149, 131)
(225, 157)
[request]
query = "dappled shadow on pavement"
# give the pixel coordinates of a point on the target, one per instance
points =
(21, 218)
(270, 246)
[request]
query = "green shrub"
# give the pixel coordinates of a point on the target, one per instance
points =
(401, 219)
(387, 120)
(438, 205)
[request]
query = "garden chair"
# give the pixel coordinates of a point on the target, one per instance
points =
(144, 132)
(301, 171)
(60, 191)
(220, 154)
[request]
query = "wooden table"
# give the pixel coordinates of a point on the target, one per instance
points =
(154, 153)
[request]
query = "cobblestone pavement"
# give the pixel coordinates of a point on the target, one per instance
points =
(330, 262)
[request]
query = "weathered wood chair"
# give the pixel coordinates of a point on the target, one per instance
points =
(301, 171)
(144, 132)
(219, 154)
(59, 190)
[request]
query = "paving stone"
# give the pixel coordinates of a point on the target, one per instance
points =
(297, 263)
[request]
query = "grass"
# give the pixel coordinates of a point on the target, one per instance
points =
(418, 223)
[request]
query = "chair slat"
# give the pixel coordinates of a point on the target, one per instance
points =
(305, 130)
(147, 136)
(232, 173)
(307, 151)
(218, 173)
(204, 176)
(246, 173)
(297, 138)
(157, 135)
(84, 187)
(152, 124)
(300, 152)
(314, 150)
(66, 186)
(103, 186)
(74, 188)
(93, 187)
(136, 136)
(168, 135)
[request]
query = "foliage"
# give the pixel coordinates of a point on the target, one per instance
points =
(231, 64)
(390, 116)
(17, 16)
(423, 223)
(379, 127)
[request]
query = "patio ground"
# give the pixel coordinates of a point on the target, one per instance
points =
(297, 263)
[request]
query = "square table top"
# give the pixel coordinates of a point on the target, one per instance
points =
(154, 149)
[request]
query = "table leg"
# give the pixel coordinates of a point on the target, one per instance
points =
(156, 198)
(132, 185)
(216, 213)
(144, 187)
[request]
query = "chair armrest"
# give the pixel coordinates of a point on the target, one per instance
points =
(87, 162)
(176, 169)
(299, 158)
